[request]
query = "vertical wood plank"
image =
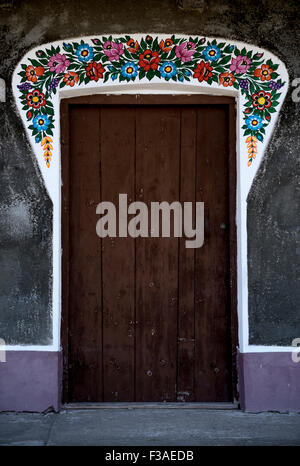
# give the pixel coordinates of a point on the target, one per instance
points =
(212, 304)
(186, 281)
(118, 255)
(65, 197)
(85, 369)
(157, 171)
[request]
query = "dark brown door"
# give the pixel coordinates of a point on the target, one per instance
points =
(147, 319)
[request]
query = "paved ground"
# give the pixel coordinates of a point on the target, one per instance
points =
(169, 427)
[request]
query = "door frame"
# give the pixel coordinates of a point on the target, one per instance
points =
(148, 99)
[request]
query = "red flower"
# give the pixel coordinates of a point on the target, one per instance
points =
(166, 45)
(149, 39)
(94, 71)
(35, 99)
(133, 47)
(262, 100)
(226, 79)
(264, 73)
(33, 73)
(203, 71)
(148, 60)
(71, 78)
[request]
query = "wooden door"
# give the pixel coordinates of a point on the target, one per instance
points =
(147, 319)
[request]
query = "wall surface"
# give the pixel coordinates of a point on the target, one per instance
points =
(26, 211)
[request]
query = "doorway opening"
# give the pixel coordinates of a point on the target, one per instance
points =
(146, 319)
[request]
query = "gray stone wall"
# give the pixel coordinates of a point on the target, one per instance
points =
(273, 203)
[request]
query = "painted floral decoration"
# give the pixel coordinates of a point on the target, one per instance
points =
(126, 59)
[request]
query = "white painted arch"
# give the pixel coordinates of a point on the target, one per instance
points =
(245, 174)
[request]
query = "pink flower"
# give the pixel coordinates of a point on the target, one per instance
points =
(58, 63)
(113, 50)
(240, 64)
(185, 51)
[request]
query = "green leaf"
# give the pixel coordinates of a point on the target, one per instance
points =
(224, 60)
(73, 66)
(155, 45)
(50, 111)
(142, 74)
(219, 69)
(227, 49)
(127, 54)
(172, 54)
(106, 77)
(150, 75)
(44, 61)
(35, 62)
(97, 56)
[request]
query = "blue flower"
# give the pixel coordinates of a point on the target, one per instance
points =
(168, 69)
(41, 122)
(211, 53)
(254, 122)
(129, 70)
(84, 52)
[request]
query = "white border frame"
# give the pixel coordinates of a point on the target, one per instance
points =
(245, 175)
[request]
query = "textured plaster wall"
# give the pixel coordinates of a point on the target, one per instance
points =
(26, 212)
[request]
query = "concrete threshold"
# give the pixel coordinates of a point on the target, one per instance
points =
(144, 405)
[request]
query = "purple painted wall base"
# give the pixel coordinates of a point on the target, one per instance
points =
(269, 382)
(30, 381)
